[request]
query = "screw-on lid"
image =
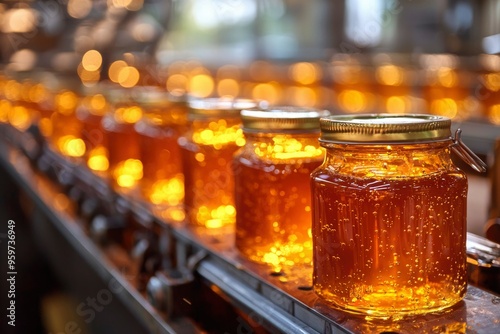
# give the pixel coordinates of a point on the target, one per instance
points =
(219, 107)
(385, 128)
(282, 119)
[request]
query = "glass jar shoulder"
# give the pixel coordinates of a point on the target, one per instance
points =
(388, 162)
(273, 149)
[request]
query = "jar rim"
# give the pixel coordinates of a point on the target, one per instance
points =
(219, 107)
(282, 119)
(385, 128)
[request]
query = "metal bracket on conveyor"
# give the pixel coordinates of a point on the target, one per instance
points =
(171, 291)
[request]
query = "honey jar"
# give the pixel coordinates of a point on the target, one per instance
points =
(164, 120)
(272, 184)
(92, 108)
(207, 149)
(125, 166)
(389, 214)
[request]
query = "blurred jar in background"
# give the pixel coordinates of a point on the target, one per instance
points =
(304, 87)
(352, 84)
(125, 166)
(65, 127)
(394, 79)
(487, 90)
(446, 87)
(207, 148)
(164, 120)
(19, 103)
(272, 184)
(90, 112)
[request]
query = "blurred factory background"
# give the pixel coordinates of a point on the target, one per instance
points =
(349, 56)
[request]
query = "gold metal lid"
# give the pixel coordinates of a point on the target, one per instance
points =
(219, 107)
(385, 128)
(282, 119)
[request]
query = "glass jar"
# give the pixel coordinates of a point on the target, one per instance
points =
(207, 148)
(389, 214)
(66, 127)
(91, 110)
(164, 120)
(272, 185)
(125, 166)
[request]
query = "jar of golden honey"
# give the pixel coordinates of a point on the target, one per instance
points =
(389, 214)
(164, 120)
(207, 150)
(91, 110)
(125, 167)
(272, 184)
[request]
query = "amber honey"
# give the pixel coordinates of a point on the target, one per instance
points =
(272, 179)
(90, 113)
(125, 166)
(164, 120)
(66, 129)
(389, 216)
(207, 150)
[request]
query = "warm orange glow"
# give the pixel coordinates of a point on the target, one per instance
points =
(128, 114)
(45, 126)
(98, 105)
(302, 96)
(444, 107)
(218, 134)
(98, 159)
(88, 77)
(397, 105)
(79, 9)
(492, 81)
(447, 77)
(128, 77)
(37, 93)
(266, 91)
(115, 68)
(177, 84)
(352, 100)
(19, 117)
(390, 75)
(217, 217)
(169, 192)
(305, 73)
(12, 90)
(66, 102)
(4, 111)
(71, 146)
(228, 88)
(92, 60)
(201, 85)
(132, 5)
(494, 114)
(127, 173)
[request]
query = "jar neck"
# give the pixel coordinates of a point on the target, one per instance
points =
(389, 160)
(217, 132)
(284, 146)
(173, 115)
